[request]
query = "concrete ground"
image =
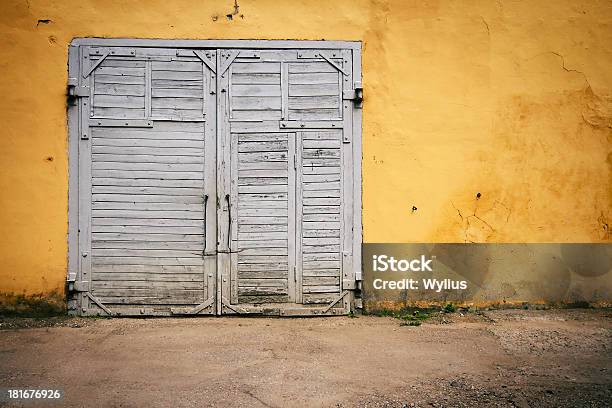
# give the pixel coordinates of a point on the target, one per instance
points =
(511, 358)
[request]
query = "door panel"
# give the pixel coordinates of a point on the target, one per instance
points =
(146, 205)
(285, 180)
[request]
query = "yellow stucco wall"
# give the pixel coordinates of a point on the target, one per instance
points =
(512, 99)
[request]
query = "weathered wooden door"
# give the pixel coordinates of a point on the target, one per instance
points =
(214, 180)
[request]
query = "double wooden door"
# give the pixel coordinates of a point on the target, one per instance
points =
(214, 180)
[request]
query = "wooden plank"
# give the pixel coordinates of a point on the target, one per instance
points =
(166, 175)
(178, 93)
(330, 78)
(256, 68)
(263, 251)
(256, 267)
(140, 229)
(148, 277)
(321, 178)
(142, 214)
(121, 71)
(322, 201)
(314, 233)
(263, 283)
(263, 165)
(120, 80)
(314, 114)
(145, 245)
(321, 217)
(109, 193)
(112, 205)
(314, 89)
(321, 225)
(256, 103)
(163, 167)
(263, 174)
(321, 264)
(259, 189)
(331, 185)
(148, 253)
(256, 115)
(256, 90)
(177, 66)
(267, 146)
(320, 241)
(262, 157)
(321, 153)
(150, 300)
(244, 236)
(321, 193)
(151, 133)
(177, 114)
(120, 89)
(134, 260)
(157, 143)
(114, 62)
(195, 76)
(274, 243)
(255, 79)
(177, 103)
(329, 272)
(261, 291)
(321, 289)
(322, 144)
(155, 151)
(261, 220)
(314, 102)
(263, 212)
(322, 281)
(263, 274)
(157, 222)
(321, 256)
(263, 197)
(148, 269)
(147, 237)
(311, 68)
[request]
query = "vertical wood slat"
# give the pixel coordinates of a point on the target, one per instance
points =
(148, 89)
(284, 90)
(84, 252)
(291, 219)
(346, 177)
(73, 173)
(223, 187)
(299, 209)
(234, 226)
(210, 187)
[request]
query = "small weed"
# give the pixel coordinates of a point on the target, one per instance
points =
(408, 316)
(449, 308)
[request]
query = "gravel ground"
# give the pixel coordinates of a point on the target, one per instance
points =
(505, 358)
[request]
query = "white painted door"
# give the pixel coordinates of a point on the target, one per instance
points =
(213, 180)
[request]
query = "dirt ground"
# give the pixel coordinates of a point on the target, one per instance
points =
(509, 358)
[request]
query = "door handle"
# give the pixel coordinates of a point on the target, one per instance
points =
(229, 224)
(205, 233)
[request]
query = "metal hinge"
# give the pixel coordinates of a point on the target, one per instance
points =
(79, 286)
(355, 95)
(77, 91)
